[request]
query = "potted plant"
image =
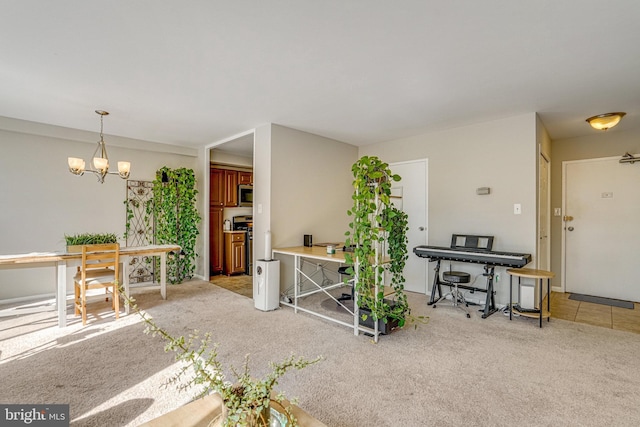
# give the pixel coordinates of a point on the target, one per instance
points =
(378, 237)
(247, 401)
(76, 241)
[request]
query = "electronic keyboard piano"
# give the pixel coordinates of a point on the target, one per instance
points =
(475, 255)
(478, 256)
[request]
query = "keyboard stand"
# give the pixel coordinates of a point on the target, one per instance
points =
(490, 304)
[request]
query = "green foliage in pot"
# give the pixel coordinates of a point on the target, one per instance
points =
(377, 231)
(173, 209)
(89, 239)
(396, 224)
(246, 400)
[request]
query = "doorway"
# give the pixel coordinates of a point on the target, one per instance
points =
(410, 196)
(231, 163)
(601, 234)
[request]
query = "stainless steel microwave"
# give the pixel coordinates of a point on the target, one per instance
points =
(245, 195)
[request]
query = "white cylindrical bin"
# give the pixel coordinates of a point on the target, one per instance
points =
(266, 285)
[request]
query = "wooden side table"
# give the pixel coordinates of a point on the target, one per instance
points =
(539, 275)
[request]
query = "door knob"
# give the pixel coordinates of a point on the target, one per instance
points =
(570, 228)
(421, 228)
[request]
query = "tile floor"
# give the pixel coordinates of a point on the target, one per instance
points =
(562, 307)
(240, 284)
(623, 319)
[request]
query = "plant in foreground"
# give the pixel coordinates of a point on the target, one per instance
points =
(246, 401)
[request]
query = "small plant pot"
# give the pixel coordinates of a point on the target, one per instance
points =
(385, 328)
(76, 249)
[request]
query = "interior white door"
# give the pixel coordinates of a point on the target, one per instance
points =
(602, 228)
(411, 198)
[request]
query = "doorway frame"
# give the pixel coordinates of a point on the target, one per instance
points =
(207, 191)
(547, 254)
(425, 161)
(563, 255)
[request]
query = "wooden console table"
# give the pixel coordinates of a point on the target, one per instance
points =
(62, 260)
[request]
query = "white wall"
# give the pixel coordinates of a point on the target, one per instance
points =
(500, 154)
(311, 187)
(261, 189)
(41, 201)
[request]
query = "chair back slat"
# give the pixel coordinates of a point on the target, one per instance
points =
(100, 257)
(100, 268)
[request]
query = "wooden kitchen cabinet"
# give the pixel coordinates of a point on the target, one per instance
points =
(223, 193)
(245, 178)
(216, 240)
(234, 253)
(230, 188)
(216, 187)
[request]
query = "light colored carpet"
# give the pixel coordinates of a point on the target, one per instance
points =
(453, 371)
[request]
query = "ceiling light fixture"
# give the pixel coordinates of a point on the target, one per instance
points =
(100, 160)
(605, 121)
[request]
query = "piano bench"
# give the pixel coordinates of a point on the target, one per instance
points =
(456, 277)
(453, 278)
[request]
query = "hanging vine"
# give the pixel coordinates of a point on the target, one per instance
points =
(377, 225)
(173, 208)
(397, 225)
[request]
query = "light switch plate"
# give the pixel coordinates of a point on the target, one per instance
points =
(517, 209)
(557, 212)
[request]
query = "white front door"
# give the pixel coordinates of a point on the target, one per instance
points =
(411, 197)
(602, 228)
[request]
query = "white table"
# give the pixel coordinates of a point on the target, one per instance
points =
(63, 260)
(319, 253)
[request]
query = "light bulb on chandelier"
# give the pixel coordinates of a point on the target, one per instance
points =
(100, 160)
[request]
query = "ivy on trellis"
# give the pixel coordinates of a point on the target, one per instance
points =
(173, 212)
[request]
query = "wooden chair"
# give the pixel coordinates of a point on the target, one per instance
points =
(100, 269)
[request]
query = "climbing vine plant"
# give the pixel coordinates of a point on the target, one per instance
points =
(173, 208)
(377, 231)
(395, 222)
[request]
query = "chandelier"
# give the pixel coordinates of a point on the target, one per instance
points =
(100, 162)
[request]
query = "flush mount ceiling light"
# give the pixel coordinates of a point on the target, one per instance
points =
(605, 121)
(100, 162)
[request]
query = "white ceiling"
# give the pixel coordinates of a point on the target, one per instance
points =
(360, 71)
